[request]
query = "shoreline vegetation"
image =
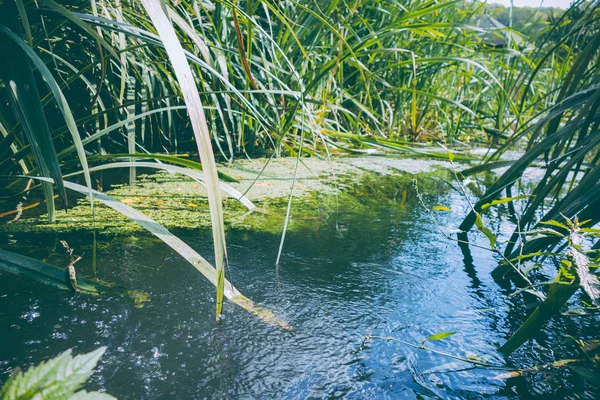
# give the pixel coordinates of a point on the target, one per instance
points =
(178, 202)
(206, 116)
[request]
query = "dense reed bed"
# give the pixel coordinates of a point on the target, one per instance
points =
(106, 84)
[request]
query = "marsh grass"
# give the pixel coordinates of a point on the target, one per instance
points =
(91, 83)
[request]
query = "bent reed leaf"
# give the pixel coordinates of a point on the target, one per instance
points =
(195, 110)
(183, 249)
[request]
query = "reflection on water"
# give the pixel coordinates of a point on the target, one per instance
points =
(385, 272)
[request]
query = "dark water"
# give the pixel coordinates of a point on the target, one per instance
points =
(386, 272)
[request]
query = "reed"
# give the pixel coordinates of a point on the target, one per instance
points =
(88, 83)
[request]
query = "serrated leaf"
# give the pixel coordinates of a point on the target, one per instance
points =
(57, 378)
(33, 380)
(588, 281)
(69, 376)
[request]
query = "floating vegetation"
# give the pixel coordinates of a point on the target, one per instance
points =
(200, 121)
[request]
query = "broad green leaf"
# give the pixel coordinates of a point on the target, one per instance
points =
(55, 379)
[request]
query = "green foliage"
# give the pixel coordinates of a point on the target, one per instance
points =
(21, 90)
(314, 78)
(574, 273)
(564, 142)
(373, 75)
(59, 378)
(184, 76)
(367, 77)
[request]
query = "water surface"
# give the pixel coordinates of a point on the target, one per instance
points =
(385, 272)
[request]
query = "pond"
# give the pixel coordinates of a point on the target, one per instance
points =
(382, 270)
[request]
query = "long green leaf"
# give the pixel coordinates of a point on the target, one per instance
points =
(184, 250)
(194, 174)
(195, 109)
(61, 101)
(17, 74)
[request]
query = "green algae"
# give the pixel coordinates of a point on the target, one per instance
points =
(139, 297)
(323, 188)
(364, 195)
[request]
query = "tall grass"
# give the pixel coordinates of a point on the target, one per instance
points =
(563, 140)
(84, 80)
(373, 75)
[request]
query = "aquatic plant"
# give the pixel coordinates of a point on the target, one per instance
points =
(576, 266)
(574, 273)
(89, 82)
(44, 273)
(107, 84)
(20, 83)
(563, 141)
